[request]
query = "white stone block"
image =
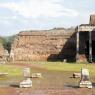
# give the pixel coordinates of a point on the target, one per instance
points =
(36, 75)
(26, 83)
(26, 72)
(76, 75)
(85, 80)
(85, 72)
(86, 84)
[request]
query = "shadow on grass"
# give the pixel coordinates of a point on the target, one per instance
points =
(14, 85)
(93, 84)
(71, 86)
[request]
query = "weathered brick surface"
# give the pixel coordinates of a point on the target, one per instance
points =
(43, 45)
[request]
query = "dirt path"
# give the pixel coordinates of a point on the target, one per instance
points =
(30, 91)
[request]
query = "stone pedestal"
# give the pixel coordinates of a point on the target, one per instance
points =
(26, 72)
(85, 84)
(26, 83)
(85, 80)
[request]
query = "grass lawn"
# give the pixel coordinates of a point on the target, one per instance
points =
(11, 70)
(54, 66)
(60, 66)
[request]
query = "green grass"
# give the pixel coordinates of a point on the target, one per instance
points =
(11, 70)
(60, 66)
(54, 66)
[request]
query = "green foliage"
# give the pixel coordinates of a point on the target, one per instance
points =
(7, 46)
(7, 41)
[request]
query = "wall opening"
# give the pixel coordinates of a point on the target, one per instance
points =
(87, 50)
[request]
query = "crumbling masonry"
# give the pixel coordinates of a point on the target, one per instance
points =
(57, 44)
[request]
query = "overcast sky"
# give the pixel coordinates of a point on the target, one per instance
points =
(18, 15)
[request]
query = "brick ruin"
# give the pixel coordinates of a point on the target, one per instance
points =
(57, 44)
(46, 45)
(85, 42)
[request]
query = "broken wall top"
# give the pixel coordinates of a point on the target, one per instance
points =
(92, 20)
(55, 31)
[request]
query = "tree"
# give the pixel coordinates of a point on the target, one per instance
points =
(7, 45)
(7, 42)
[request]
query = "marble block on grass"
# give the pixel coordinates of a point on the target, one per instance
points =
(76, 75)
(36, 75)
(26, 83)
(26, 72)
(85, 79)
(86, 84)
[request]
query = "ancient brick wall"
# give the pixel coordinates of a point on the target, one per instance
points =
(54, 44)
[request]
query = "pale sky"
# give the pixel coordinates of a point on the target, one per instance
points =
(19, 15)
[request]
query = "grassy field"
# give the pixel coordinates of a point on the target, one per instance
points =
(60, 66)
(55, 66)
(11, 70)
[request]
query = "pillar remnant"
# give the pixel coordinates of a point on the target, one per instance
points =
(77, 45)
(85, 79)
(27, 82)
(90, 47)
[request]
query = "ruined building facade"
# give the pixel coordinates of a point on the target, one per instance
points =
(43, 45)
(57, 44)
